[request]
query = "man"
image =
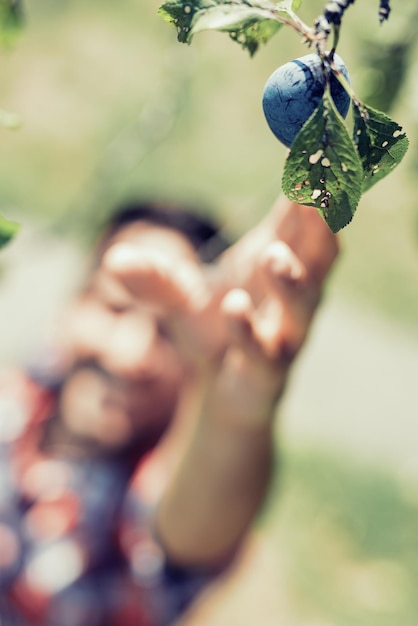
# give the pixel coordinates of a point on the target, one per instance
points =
(130, 481)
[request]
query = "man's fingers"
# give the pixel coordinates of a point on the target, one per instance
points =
(237, 310)
(291, 296)
(304, 230)
(254, 352)
(283, 265)
(151, 276)
(179, 293)
(273, 331)
(259, 337)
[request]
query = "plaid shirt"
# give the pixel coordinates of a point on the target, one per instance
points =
(76, 547)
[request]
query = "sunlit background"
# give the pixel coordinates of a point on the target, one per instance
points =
(112, 107)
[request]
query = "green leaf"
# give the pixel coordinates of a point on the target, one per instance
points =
(380, 142)
(287, 7)
(11, 19)
(248, 22)
(323, 168)
(247, 26)
(7, 230)
(393, 60)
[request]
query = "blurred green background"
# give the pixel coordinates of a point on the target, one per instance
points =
(113, 107)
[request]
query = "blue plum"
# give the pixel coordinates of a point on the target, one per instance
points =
(293, 92)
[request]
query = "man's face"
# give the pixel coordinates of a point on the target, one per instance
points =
(126, 374)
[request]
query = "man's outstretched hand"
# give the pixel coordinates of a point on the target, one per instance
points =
(241, 324)
(259, 300)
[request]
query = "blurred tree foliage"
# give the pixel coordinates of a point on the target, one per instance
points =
(387, 62)
(349, 534)
(11, 19)
(11, 16)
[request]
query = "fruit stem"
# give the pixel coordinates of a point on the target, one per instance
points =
(336, 33)
(340, 76)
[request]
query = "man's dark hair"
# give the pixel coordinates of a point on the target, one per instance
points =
(200, 230)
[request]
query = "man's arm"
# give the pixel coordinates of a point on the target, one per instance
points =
(279, 269)
(222, 480)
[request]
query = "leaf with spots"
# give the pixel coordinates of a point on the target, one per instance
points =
(7, 230)
(323, 168)
(248, 22)
(380, 142)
